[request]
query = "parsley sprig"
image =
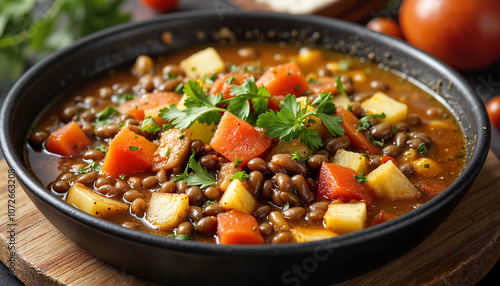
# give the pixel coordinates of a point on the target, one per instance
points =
(290, 122)
(207, 108)
(364, 122)
(201, 177)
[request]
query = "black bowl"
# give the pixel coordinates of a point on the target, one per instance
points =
(180, 262)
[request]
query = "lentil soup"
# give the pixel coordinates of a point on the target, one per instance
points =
(247, 144)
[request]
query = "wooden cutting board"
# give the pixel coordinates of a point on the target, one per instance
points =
(460, 252)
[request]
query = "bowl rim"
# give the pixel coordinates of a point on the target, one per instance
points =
(458, 186)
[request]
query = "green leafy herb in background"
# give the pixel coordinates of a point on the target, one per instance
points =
(32, 29)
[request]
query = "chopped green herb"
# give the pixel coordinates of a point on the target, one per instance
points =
(297, 157)
(286, 206)
(426, 166)
(422, 148)
(290, 122)
(102, 148)
(230, 79)
(149, 125)
(167, 153)
(297, 87)
(181, 136)
(364, 122)
(380, 143)
(237, 162)
(104, 117)
(201, 176)
(239, 176)
(179, 88)
(362, 179)
(134, 148)
(344, 65)
(91, 167)
(126, 96)
(340, 87)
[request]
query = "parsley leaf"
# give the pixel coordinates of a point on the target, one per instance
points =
(239, 104)
(239, 176)
(91, 167)
(362, 179)
(290, 122)
(201, 176)
(150, 125)
(297, 157)
(199, 106)
(364, 122)
(422, 148)
(104, 117)
(340, 87)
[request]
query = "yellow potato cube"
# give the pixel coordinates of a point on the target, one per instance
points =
(353, 160)
(342, 100)
(93, 203)
(426, 167)
(309, 56)
(166, 211)
(293, 146)
(388, 182)
(238, 197)
(202, 63)
(304, 234)
(379, 103)
(312, 122)
(343, 218)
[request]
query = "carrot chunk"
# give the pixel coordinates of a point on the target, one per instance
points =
(150, 104)
(236, 227)
(282, 80)
(225, 84)
(358, 138)
(237, 139)
(128, 153)
(339, 182)
(383, 216)
(68, 140)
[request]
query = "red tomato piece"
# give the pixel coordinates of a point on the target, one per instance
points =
(128, 153)
(383, 216)
(67, 140)
(339, 182)
(358, 138)
(236, 227)
(282, 80)
(237, 139)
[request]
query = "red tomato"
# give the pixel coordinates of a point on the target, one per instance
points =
(493, 109)
(161, 5)
(463, 33)
(385, 26)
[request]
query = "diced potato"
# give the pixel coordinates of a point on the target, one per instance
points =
(304, 234)
(379, 103)
(173, 149)
(342, 100)
(309, 56)
(227, 170)
(93, 203)
(293, 146)
(202, 63)
(388, 182)
(353, 160)
(202, 131)
(343, 218)
(166, 210)
(238, 197)
(315, 123)
(426, 167)
(357, 76)
(180, 104)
